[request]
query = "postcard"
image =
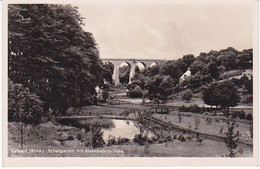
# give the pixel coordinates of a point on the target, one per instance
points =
(130, 83)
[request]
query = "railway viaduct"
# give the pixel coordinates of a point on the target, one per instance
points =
(133, 63)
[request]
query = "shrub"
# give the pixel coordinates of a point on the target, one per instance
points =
(122, 140)
(44, 131)
(135, 93)
(181, 138)
(189, 138)
(111, 140)
(195, 108)
(154, 139)
(97, 137)
(235, 114)
(105, 96)
(249, 116)
(169, 138)
(242, 115)
(140, 139)
(182, 108)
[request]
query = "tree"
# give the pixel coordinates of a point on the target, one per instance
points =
(187, 95)
(223, 94)
(245, 60)
(188, 60)
(139, 80)
(231, 138)
(197, 122)
(49, 53)
(228, 58)
(196, 66)
(97, 137)
(151, 71)
(24, 108)
(108, 69)
(249, 85)
(179, 117)
(159, 88)
(173, 69)
(213, 70)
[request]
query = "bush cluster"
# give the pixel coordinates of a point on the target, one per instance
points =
(242, 115)
(140, 139)
(193, 108)
(112, 140)
(135, 93)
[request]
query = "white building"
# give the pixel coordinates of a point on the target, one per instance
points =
(185, 75)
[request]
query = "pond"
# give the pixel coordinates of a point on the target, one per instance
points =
(124, 129)
(110, 127)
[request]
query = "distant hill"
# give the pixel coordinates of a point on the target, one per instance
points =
(214, 66)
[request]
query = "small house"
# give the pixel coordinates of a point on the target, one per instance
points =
(185, 75)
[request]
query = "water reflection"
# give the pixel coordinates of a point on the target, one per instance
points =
(122, 128)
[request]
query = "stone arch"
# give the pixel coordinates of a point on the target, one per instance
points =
(125, 63)
(141, 65)
(153, 64)
(109, 63)
(126, 67)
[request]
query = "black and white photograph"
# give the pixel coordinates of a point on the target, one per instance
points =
(140, 79)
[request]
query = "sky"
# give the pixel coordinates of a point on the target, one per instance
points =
(167, 31)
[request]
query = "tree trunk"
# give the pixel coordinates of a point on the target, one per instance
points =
(227, 113)
(21, 132)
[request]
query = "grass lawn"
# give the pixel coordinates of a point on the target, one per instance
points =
(188, 121)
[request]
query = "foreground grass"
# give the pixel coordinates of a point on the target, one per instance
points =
(174, 148)
(48, 143)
